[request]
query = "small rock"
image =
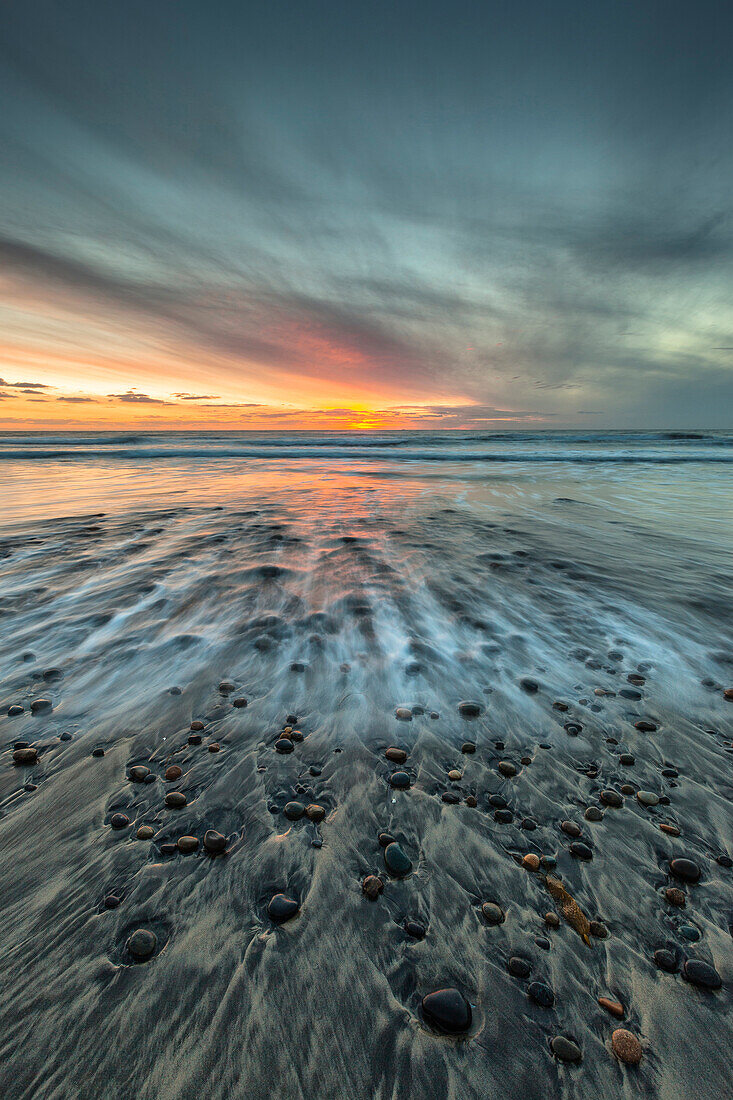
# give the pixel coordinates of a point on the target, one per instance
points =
(400, 780)
(570, 828)
(294, 810)
(671, 830)
(282, 908)
(565, 1049)
(314, 812)
(455, 776)
(139, 773)
(196, 726)
(493, 913)
(25, 757)
(97, 752)
(675, 896)
(39, 706)
(284, 745)
(701, 974)
(396, 860)
(581, 850)
(214, 842)
(531, 861)
(142, 943)
(187, 844)
(372, 886)
(506, 768)
(397, 756)
(214, 747)
(173, 772)
(194, 738)
(518, 966)
(447, 1010)
(614, 1007)
(541, 994)
(598, 929)
(119, 821)
(15, 710)
(175, 800)
(593, 813)
(552, 920)
(469, 709)
(626, 1047)
(647, 798)
(403, 714)
(468, 747)
(611, 798)
(111, 901)
(414, 929)
(665, 959)
(471, 801)
(145, 832)
(686, 869)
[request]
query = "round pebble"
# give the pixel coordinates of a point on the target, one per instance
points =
(701, 974)
(581, 850)
(97, 752)
(531, 861)
(175, 800)
(187, 844)
(282, 908)
(397, 756)
(294, 810)
(314, 812)
(541, 994)
(519, 967)
(196, 726)
(400, 780)
(675, 896)
(570, 828)
(214, 842)
(372, 886)
(611, 798)
(119, 821)
(111, 901)
(145, 832)
(173, 772)
(647, 798)
(454, 775)
(142, 943)
(493, 913)
(552, 920)
(415, 929)
(15, 710)
(39, 706)
(506, 768)
(214, 747)
(403, 714)
(593, 813)
(396, 860)
(194, 738)
(468, 747)
(614, 1007)
(565, 1049)
(665, 959)
(626, 1047)
(685, 869)
(447, 1010)
(139, 773)
(284, 745)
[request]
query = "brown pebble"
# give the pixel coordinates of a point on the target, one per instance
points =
(598, 929)
(372, 886)
(455, 775)
(214, 842)
(626, 1047)
(187, 844)
(175, 800)
(675, 896)
(614, 1007)
(671, 830)
(526, 760)
(397, 756)
(145, 832)
(506, 768)
(552, 920)
(531, 861)
(314, 812)
(471, 801)
(728, 694)
(196, 727)
(173, 772)
(25, 756)
(214, 747)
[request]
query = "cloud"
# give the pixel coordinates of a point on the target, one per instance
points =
(78, 400)
(196, 396)
(24, 387)
(133, 398)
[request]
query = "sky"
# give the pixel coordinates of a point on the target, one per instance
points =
(393, 215)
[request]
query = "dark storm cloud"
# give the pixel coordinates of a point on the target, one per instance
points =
(520, 209)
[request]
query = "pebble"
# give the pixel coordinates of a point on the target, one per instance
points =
(226, 687)
(385, 839)
(282, 908)
(571, 828)
(543, 943)
(565, 1049)
(38, 706)
(665, 959)
(214, 842)
(645, 726)
(112, 901)
(701, 974)
(593, 813)
(454, 775)
(188, 844)
(400, 780)
(626, 788)
(175, 800)
(671, 830)
(627, 759)
(214, 747)
(647, 798)
(415, 929)
(15, 710)
(471, 801)
(97, 752)
(196, 727)
(469, 709)
(403, 714)
(372, 886)
(598, 929)
(552, 920)
(506, 768)
(284, 745)
(493, 913)
(145, 832)
(531, 861)
(626, 1047)
(504, 817)
(541, 994)
(25, 757)
(675, 896)
(119, 821)
(173, 772)
(614, 1007)
(139, 773)
(686, 869)
(448, 1010)
(611, 798)
(528, 685)
(142, 943)
(396, 860)
(468, 747)
(581, 850)
(397, 756)
(314, 812)
(294, 810)
(451, 798)
(239, 703)
(194, 738)
(519, 967)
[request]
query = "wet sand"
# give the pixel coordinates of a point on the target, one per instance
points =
(553, 672)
